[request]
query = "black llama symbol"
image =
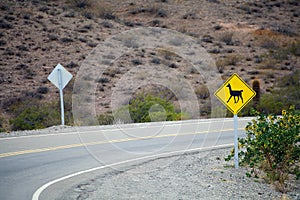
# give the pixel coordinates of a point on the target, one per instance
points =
(234, 94)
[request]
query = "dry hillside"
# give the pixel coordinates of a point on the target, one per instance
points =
(241, 35)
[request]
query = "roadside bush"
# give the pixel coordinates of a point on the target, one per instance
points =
(147, 108)
(105, 119)
(2, 129)
(33, 118)
(32, 113)
(272, 146)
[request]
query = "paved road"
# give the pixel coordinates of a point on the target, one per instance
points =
(28, 162)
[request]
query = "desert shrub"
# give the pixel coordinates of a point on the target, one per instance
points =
(42, 90)
(226, 37)
(2, 42)
(147, 108)
(31, 113)
(105, 119)
(2, 129)
(279, 54)
(272, 145)
(155, 61)
(153, 9)
(32, 117)
(81, 3)
(207, 39)
(66, 40)
(162, 13)
(5, 25)
(286, 94)
(121, 115)
(268, 63)
(72, 65)
(93, 8)
(294, 48)
(136, 62)
(221, 64)
(285, 30)
(232, 59)
(107, 24)
(268, 43)
(228, 60)
(103, 80)
(202, 92)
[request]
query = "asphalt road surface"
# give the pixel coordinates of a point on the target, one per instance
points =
(29, 162)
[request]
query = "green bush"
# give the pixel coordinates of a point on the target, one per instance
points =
(34, 114)
(30, 118)
(272, 145)
(147, 108)
(2, 129)
(105, 119)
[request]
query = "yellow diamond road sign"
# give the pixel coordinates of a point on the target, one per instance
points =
(235, 93)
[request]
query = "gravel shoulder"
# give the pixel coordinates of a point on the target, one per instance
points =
(201, 175)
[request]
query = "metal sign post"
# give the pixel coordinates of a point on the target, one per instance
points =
(61, 97)
(235, 94)
(236, 144)
(60, 77)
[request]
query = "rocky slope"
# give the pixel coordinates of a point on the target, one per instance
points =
(36, 35)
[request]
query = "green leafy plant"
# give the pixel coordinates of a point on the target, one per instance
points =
(2, 129)
(31, 118)
(32, 113)
(147, 108)
(105, 119)
(272, 145)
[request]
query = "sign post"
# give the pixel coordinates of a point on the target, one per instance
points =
(60, 77)
(235, 94)
(236, 143)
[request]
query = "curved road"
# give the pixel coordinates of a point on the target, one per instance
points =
(29, 162)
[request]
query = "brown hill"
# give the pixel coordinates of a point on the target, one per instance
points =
(256, 39)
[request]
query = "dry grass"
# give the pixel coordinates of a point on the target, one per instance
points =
(271, 40)
(93, 8)
(227, 61)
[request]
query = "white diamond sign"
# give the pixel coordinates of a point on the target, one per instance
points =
(65, 76)
(60, 77)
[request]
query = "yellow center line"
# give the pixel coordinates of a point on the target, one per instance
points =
(101, 142)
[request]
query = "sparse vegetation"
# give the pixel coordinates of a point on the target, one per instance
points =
(286, 94)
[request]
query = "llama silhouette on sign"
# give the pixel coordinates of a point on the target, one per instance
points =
(234, 94)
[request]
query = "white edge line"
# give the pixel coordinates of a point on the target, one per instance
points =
(38, 192)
